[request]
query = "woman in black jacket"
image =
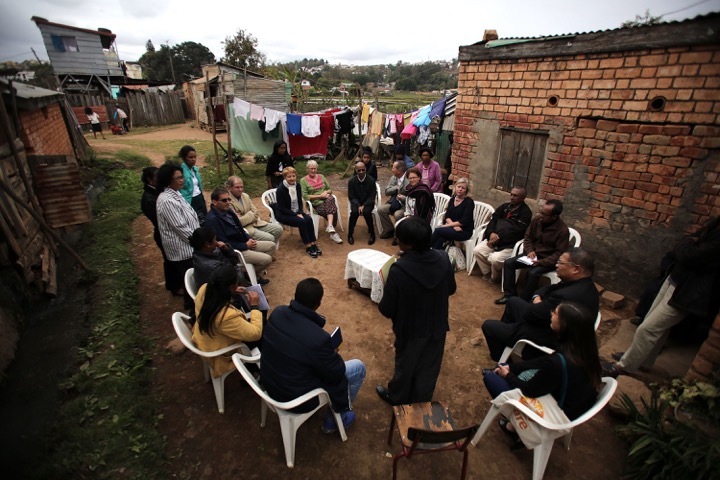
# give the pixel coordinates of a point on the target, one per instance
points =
(576, 361)
(289, 211)
(277, 162)
(147, 205)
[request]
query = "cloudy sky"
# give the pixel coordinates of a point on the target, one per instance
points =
(362, 33)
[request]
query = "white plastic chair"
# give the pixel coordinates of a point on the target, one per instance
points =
(289, 421)
(268, 198)
(481, 217)
(249, 268)
(550, 431)
(190, 286)
(522, 343)
(441, 204)
(376, 215)
(184, 333)
(574, 242)
(316, 218)
(517, 250)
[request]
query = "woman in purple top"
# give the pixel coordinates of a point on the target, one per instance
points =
(430, 170)
(458, 218)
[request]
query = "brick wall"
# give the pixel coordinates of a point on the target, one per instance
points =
(44, 131)
(633, 179)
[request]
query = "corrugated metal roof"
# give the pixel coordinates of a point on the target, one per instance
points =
(23, 90)
(60, 191)
(560, 36)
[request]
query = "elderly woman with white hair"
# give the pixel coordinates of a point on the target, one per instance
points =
(458, 218)
(316, 188)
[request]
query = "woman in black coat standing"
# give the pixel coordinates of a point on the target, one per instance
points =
(278, 161)
(147, 205)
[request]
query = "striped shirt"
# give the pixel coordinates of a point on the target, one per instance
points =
(177, 221)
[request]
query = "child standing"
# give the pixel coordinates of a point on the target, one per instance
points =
(94, 122)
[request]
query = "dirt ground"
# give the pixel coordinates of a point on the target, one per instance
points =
(203, 444)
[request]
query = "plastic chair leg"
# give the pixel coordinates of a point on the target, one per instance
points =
(219, 387)
(541, 454)
(288, 428)
(492, 413)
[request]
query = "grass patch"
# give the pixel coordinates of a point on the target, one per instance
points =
(107, 425)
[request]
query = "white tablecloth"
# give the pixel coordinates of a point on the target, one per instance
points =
(364, 266)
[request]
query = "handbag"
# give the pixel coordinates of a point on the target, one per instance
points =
(457, 257)
(545, 407)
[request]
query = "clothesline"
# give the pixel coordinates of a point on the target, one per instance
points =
(308, 133)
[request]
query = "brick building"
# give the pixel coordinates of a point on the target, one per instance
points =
(622, 125)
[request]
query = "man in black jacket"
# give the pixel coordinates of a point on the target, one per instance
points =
(507, 225)
(531, 320)
(691, 288)
(298, 357)
(362, 193)
(415, 297)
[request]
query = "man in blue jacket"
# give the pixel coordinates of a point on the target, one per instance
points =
(298, 357)
(229, 230)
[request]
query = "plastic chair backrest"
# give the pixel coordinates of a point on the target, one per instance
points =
(190, 284)
(268, 198)
(481, 214)
(574, 237)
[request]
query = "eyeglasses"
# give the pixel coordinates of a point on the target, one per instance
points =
(360, 170)
(178, 178)
(224, 200)
(566, 263)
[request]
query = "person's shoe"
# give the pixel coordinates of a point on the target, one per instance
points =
(636, 320)
(617, 355)
(335, 238)
(262, 281)
(493, 280)
(330, 229)
(502, 300)
(317, 249)
(611, 369)
(351, 239)
(312, 252)
(383, 394)
(330, 426)
(394, 242)
(371, 240)
(386, 235)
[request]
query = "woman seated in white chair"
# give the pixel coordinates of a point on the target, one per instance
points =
(219, 323)
(458, 219)
(571, 374)
(316, 188)
(290, 210)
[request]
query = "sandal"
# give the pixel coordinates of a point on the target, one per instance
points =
(611, 369)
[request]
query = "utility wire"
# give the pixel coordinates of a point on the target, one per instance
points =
(685, 8)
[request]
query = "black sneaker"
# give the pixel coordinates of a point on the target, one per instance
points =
(262, 281)
(312, 252)
(317, 249)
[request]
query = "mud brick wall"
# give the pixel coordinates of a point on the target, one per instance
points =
(44, 132)
(635, 175)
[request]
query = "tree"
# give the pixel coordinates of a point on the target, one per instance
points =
(241, 51)
(641, 20)
(188, 59)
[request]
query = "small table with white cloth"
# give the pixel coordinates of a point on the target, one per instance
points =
(362, 270)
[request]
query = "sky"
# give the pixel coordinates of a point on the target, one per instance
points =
(369, 32)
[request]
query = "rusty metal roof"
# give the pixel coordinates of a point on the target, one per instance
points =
(57, 185)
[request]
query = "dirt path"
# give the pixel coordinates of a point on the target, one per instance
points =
(203, 444)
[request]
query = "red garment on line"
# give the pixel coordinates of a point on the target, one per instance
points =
(302, 145)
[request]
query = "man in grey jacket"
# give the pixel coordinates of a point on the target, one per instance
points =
(392, 211)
